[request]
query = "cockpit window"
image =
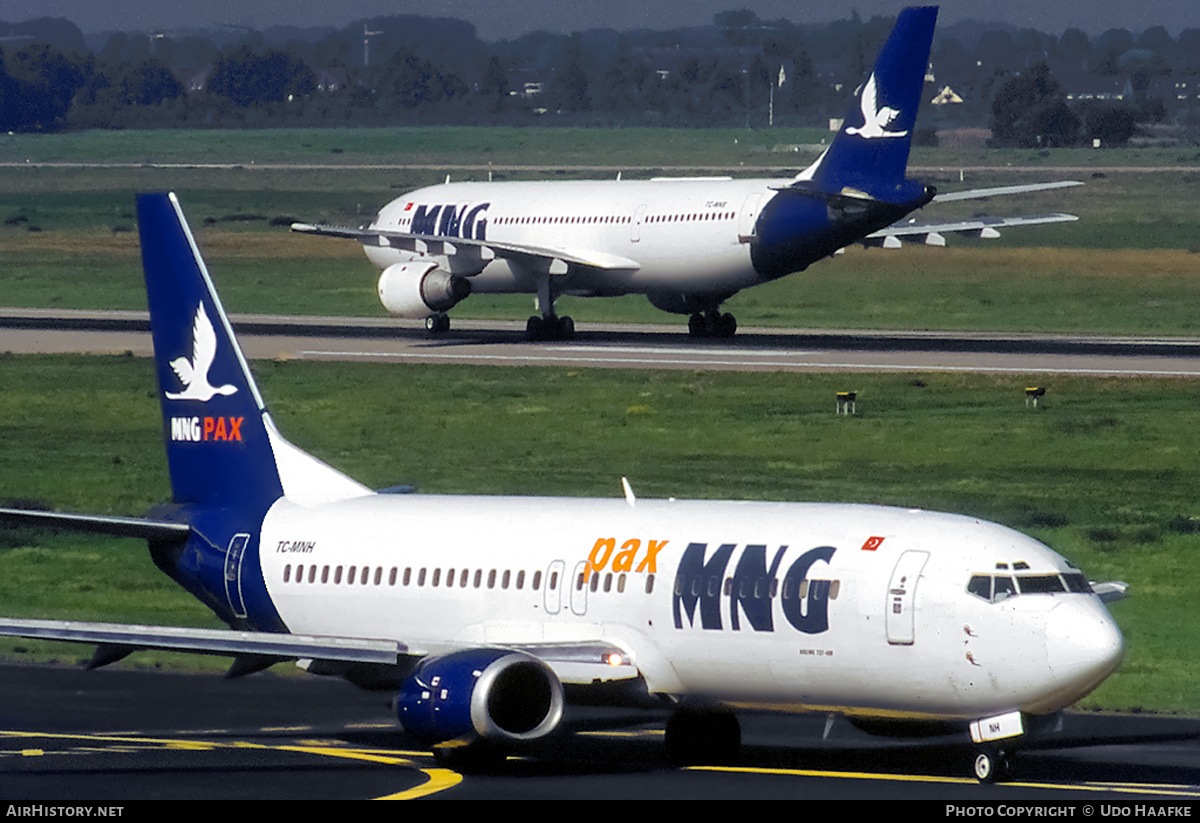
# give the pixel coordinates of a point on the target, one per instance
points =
(1040, 583)
(995, 588)
(1077, 583)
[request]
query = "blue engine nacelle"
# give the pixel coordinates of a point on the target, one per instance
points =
(494, 694)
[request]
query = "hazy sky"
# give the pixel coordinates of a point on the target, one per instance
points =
(507, 18)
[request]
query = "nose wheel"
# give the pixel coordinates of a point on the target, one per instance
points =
(992, 765)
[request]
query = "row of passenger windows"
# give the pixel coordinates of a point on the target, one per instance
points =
(606, 219)
(604, 582)
(448, 578)
(997, 587)
(368, 575)
(676, 218)
(609, 219)
(756, 588)
(560, 221)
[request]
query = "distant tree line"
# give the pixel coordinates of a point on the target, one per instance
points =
(737, 71)
(1031, 111)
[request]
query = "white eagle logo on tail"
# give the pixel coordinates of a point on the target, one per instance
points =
(193, 374)
(876, 118)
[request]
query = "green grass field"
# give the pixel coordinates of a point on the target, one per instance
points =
(523, 146)
(456, 145)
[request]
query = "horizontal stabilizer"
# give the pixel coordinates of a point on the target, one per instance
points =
(95, 524)
(998, 191)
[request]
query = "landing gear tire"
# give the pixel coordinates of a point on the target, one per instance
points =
(712, 324)
(549, 328)
(992, 766)
(703, 737)
(437, 323)
(725, 325)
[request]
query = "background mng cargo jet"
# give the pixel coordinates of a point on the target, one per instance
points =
(486, 614)
(687, 244)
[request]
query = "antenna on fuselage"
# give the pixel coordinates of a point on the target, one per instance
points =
(629, 498)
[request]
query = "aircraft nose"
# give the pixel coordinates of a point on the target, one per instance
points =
(1084, 645)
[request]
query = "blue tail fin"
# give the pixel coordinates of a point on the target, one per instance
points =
(223, 451)
(870, 153)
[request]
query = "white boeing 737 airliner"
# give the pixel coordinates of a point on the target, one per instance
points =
(687, 244)
(485, 614)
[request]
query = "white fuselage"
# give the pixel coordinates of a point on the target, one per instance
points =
(687, 235)
(861, 609)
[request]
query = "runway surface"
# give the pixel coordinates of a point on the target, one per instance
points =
(113, 735)
(625, 346)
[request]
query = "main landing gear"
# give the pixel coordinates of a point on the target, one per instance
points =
(438, 323)
(550, 328)
(712, 324)
(546, 325)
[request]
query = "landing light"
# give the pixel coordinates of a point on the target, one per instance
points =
(614, 659)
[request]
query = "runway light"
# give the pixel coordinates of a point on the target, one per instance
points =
(846, 402)
(1033, 395)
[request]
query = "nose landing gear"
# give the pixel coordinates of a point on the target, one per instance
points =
(993, 765)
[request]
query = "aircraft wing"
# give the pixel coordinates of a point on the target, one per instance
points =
(484, 249)
(131, 637)
(584, 662)
(581, 663)
(933, 234)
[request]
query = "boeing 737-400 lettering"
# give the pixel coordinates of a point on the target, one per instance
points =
(486, 614)
(688, 244)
